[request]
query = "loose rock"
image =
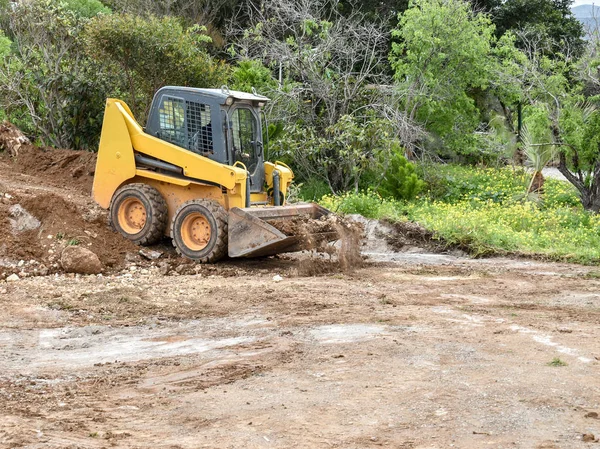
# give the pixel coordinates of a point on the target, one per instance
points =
(22, 220)
(163, 268)
(13, 278)
(75, 259)
(149, 254)
(588, 438)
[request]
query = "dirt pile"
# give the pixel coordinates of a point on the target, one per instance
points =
(409, 235)
(61, 224)
(58, 168)
(51, 166)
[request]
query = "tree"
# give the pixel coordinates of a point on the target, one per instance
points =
(578, 133)
(559, 104)
(46, 85)
(144, 54)
(550, 20)
(329, 58)
(445, 56)
(332, 84)
(537, 141)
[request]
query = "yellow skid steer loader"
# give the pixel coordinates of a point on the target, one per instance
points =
(197, 173)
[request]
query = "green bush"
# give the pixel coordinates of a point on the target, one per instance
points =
(400, 181)
(144, 54)
(369, 204)
(250, 74)
(5, 45)
(86, 8)
(313, 189)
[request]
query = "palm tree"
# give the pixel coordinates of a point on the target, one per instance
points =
(539, 152)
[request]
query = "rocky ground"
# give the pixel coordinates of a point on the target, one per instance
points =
(410, 350)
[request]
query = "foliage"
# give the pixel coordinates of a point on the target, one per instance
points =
(342, 154)
(479, 212)
(86, 8)
(400, 180)
(331, 57)
(46, 85)
(252, 74)
(5, 45)
(313, 189)
(550, 21)
(211, 13)
(368, 203)
(150, 53)
(331, 61)
(444, 55)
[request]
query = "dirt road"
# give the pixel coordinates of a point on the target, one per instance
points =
(413, 355)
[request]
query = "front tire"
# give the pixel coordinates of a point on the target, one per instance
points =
(139, 213)
(199, 231)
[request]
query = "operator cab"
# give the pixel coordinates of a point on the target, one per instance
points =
(219, 124)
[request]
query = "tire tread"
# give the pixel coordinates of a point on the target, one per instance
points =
(159, 215)
(221, 218)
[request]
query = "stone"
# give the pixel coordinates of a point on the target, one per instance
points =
(22, 220)
(163, 268)
(75, 259)
(132, 258)
(150, 254)
(588, 438)
(13, 278)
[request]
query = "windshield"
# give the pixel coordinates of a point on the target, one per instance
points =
(244, 130)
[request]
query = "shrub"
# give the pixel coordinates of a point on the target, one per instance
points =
(400, 181)
(86, 8)
(313, 189)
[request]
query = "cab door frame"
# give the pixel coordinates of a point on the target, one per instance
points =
(257, 177)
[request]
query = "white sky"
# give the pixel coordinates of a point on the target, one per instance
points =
(586, 2)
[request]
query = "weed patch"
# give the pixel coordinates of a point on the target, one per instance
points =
(484, 211)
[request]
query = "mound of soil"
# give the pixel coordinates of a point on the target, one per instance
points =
(58, 168)
(62, 224)
(51, 166)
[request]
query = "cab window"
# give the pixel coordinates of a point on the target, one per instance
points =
(244, 129)
(171, 120)
(199, 126)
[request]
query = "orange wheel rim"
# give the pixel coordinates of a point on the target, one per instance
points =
(132, 216)
(195, 231)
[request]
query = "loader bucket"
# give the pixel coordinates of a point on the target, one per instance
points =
(251, 234)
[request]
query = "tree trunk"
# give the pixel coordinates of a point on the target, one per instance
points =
(537, 183)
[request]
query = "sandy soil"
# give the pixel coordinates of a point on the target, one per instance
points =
(392, 355)
(412, 350)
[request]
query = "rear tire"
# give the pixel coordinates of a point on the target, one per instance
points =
(139, 213)
(199, 231)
